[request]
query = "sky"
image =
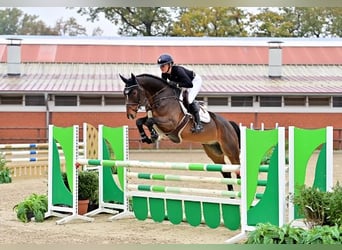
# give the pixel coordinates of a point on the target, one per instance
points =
(49, 15)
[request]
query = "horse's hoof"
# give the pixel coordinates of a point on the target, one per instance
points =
(154, 138)
(146, 140)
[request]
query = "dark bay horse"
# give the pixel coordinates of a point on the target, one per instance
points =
(219, 137)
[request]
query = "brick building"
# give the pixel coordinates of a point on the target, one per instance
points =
(67, 81)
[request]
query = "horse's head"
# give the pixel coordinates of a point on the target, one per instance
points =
(134, 96)
(145, 89)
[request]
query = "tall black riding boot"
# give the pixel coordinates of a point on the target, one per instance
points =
(194, 110)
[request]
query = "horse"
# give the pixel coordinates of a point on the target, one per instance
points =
(220, 138)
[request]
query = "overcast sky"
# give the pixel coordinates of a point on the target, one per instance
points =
(50, 15)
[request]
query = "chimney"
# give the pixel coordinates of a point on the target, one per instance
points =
(274, 59)
(14, 57)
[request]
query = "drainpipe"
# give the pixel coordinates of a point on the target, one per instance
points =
(48, 104)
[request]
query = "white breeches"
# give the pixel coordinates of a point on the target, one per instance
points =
(197, 83)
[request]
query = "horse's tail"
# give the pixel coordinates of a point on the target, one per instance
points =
(237, 130)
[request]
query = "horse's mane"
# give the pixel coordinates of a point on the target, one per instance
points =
(153, 76)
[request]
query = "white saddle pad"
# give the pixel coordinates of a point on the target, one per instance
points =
(204, 114)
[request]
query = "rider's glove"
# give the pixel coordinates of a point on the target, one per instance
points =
(173, 84)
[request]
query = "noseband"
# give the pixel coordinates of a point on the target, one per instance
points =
(127, 90)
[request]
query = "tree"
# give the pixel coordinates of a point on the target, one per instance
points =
(97, 32)
(30, 26)
(14, 22)
(272, 23)
(133, 21)
(312, 22)
(297, 22)
(69, 27)
(9, 18)
(217, 22)
(335, 21)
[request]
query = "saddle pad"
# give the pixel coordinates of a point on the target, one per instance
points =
(204, 114)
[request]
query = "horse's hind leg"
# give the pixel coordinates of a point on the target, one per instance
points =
(215, 153)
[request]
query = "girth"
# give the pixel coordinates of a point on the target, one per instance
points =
(174, 135)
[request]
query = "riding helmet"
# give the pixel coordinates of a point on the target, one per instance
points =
(164, 59)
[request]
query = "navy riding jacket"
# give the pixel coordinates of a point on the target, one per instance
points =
(180, 75)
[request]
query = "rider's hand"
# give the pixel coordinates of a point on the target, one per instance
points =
(174, 84)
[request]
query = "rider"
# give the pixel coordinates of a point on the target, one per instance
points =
(181, 77)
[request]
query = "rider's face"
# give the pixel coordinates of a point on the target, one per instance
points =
(165, 68)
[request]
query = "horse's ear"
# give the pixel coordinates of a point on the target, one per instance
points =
(133, 76)
(123, 78)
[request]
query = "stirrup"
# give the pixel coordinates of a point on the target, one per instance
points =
(197, 128)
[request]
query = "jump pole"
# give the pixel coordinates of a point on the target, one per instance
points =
(276, 138)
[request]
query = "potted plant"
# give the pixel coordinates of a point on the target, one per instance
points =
(5, 173)
(34, 206)
(88, 182)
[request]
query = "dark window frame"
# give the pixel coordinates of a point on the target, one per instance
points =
(298, 101)
(90, 100)
(242, 101)
(35, 100)
(217, 101)
(62, 100)
(315, 101)
(270, 101)
(11, 100)
(337, 101)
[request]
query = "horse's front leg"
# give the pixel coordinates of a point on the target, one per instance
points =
(140, 122)
(154, 135)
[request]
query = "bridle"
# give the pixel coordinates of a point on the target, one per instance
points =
(154, 101)
(127, 90)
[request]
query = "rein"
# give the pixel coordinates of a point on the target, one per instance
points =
(154, 103)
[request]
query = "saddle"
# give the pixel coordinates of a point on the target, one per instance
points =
(175, 135)
(203, 112)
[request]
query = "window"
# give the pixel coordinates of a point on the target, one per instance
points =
(34, 100)
(242, 101)
(337, 101)
(11, 100)
(90, 100)
(200, 98)
(319, 101)
(294, 100)
(65, 100)
(218, 101)
(114, 100)
(270, 101)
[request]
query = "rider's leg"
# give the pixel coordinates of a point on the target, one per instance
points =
(194, 106)
(194, 110)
